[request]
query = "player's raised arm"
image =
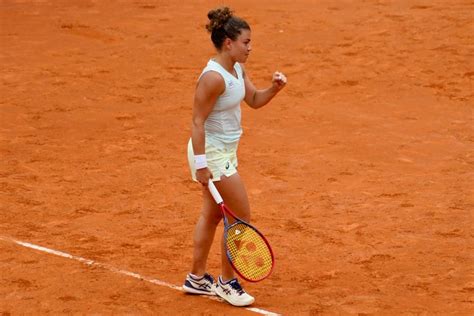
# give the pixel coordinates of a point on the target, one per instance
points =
(257, 98)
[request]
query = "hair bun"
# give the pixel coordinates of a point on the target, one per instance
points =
(218, 18)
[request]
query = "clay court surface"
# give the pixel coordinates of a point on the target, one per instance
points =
(360, 172)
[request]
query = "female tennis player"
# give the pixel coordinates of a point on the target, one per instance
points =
(212, 149)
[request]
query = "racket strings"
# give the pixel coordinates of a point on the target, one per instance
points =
(249, 252)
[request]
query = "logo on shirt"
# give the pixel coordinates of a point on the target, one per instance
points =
(230, 83)
(227, 166)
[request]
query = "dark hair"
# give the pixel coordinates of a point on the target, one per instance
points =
(223, 24)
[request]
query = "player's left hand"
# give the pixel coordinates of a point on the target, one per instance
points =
(279, 80)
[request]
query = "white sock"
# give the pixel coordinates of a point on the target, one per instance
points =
(195, 276)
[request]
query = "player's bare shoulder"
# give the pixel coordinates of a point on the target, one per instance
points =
(211, 81)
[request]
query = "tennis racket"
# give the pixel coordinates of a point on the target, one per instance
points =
(248, 251)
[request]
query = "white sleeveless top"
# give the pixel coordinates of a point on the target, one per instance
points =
(223, 125)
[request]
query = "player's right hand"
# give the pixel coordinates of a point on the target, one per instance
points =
(203, 176)
(279, 80)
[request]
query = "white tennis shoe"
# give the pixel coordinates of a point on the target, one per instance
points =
(233, 293)
(199, 285)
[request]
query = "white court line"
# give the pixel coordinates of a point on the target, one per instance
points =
(124, 272)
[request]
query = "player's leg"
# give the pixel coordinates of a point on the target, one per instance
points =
(204, 232)
(209, 218)
(198, 281)
(233, 192)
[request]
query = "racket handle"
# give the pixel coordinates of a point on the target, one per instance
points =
(215, 194)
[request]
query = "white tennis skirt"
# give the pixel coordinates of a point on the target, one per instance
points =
(221, 159)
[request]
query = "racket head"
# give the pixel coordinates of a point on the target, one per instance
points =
(248, 251)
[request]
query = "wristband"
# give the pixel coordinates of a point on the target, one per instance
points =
(200, 161)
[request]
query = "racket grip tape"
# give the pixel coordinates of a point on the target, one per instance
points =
(215, 194)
